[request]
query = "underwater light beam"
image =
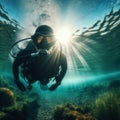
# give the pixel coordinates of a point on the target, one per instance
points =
(89, 78)
(63, 35)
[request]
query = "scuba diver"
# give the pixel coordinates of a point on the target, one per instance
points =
(42, 60)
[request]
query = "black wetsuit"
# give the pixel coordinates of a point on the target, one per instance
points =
(40, 66)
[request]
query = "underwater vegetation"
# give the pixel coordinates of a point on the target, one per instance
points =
(9, 109)
(107, 106)
(71, 112)
(99, 100)
(13, 109)
(7, 97)
(15, 105)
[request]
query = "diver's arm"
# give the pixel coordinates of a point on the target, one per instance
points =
(63, 64)
(60, 76)
(15, 69)
(16, 64)
(18, 61)
(21, 58)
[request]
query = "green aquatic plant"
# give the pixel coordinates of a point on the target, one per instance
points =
(7, 97)
(2, 115)
(70, 112)
(107, 106)
(20, 111)
(58, 112)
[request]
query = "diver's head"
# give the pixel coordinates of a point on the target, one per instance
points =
(44, 37)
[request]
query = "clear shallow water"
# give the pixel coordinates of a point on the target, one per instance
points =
(93, 57)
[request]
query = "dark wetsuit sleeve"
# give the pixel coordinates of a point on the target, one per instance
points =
(63, 64)
(18, 61)
(21, 58)
(16, 64)
(60, 76)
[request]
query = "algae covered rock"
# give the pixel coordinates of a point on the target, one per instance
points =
(7, 97)
(71, 112)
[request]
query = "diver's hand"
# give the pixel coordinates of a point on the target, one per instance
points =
(43, 51)
(20, 85)
(53, 87)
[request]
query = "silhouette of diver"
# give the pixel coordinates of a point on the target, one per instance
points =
(41, 61)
